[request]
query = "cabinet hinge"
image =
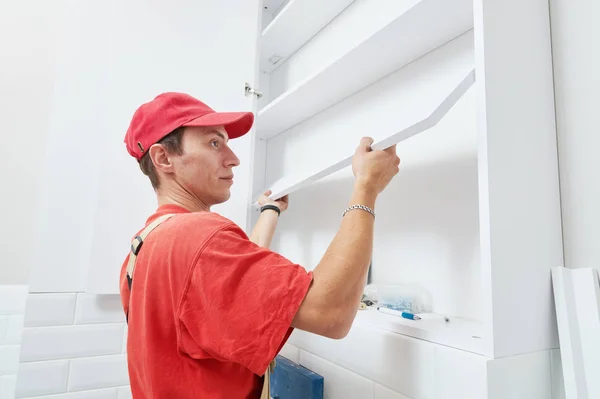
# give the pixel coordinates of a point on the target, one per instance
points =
(248, 90)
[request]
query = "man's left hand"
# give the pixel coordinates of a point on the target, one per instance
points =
(281, 203)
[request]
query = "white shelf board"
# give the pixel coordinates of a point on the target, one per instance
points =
(402, 105)
(422, 28)
(457, 333)
(295, 25)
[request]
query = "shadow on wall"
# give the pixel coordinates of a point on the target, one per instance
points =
(427, 229)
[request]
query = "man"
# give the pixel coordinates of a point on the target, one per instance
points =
(209, 308)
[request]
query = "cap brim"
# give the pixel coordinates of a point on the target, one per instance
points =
(236, 124)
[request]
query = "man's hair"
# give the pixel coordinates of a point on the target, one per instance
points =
(172, 143)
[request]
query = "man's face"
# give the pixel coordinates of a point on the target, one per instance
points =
(205, 168)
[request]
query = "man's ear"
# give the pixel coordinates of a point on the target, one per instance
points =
(160, 158)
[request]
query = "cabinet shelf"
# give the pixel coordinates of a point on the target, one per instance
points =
(457, 333)
(422, 28)
(403, 104)
(294, 25)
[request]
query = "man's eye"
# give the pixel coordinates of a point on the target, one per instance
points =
(215, 143)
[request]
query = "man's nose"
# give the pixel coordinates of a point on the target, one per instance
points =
(232, 159)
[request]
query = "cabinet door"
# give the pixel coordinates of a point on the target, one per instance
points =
(204, 48)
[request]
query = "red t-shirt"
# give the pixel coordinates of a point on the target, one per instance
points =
(209, 309)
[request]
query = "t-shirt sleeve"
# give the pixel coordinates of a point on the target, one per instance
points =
(240, 301)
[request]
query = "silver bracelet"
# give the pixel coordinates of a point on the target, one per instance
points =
(364, 208)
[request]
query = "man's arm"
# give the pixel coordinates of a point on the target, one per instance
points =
(332, 300)
(263, 231)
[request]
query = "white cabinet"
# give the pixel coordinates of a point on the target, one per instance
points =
(320, 76)
(392, 70)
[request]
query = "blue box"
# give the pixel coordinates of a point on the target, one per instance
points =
(290, 380)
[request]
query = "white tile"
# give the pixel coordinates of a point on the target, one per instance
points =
(3, 328)
(125, 393)
(459, 374)
(124, 347)
(382, 392)
(42, 378)
(49, 343)
(110, 393)
(529, 377)
(8, 384)
(290, 352)
(99, 309)
(558, 382)
(98, 372)
(396, 361)
(9, 359)
(14, 330)
(12, 299)
(50, 309)
(339, 383)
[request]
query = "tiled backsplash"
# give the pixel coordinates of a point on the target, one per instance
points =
(72, 347)
(12, 310)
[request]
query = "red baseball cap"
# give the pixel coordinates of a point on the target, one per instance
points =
(154, 120)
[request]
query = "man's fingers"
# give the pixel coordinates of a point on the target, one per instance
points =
(391, 149)
(365, 144)
(267, 193)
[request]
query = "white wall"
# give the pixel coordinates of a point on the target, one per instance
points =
(26, 85)
(73, 344)
(576, 54)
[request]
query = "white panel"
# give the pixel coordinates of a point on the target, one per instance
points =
(290, 352)
(137, 61)
(405, 103)
(125, 393)
(99, 309)
(576, 58)
(519, 199)
(520, 377)
(28, 29)
(48, 343)
(110, 393)
(400, 363)
(42, 378)
(98, 372)
(12, 299)
(293, 26)
(381, 392)
(457, 333)
(50, 310)
(9, 359)
(427, 25)
(8, 385)
(570, 337)
(587, 292)
(339, 383)
(14, 331)
(359, 21)
(459, 375)
(556, 373)
(577, 298)
(70, 169)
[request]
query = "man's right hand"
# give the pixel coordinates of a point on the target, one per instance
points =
(374, 169)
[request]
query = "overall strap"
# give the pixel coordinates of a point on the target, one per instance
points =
(136, 245)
